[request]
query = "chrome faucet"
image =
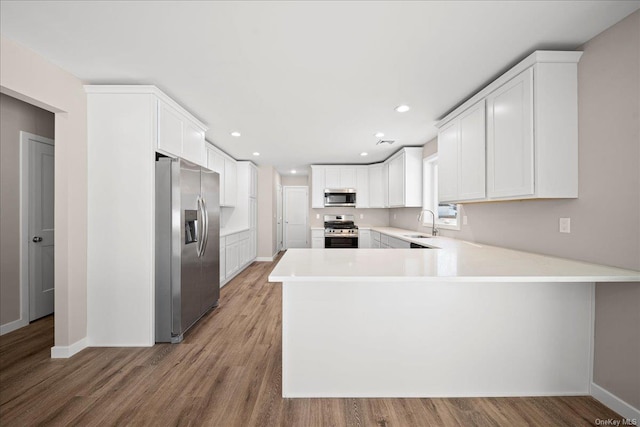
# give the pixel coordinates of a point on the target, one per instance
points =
(434, 230)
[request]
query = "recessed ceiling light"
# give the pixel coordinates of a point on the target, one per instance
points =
(236, 134)
(379, 135)
(402, 108)
(255, 153)
(293, 171)
(364, 153)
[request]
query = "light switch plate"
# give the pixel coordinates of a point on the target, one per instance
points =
(464, 220)
(317, 216)
(565, 225)
(361, 216)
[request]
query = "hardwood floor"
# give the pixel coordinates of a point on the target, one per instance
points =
(227, 372)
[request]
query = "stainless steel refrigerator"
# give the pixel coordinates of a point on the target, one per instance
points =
(187, 246)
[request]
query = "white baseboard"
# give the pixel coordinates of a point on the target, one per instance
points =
(264, 259)
(64, 352)
(12, 326)
(614, 403)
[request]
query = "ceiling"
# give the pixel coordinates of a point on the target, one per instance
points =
(308, 81)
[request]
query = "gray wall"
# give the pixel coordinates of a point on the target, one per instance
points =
(605, 219)
(15, 116)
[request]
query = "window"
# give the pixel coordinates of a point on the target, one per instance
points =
(446, 213)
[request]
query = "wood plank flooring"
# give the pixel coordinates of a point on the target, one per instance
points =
(227, 372)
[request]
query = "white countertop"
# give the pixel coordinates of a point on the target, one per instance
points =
(455, 261)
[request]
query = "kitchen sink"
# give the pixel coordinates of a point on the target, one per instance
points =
(416, 236)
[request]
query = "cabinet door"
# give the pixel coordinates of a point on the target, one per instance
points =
(471, 153)
(396, 181)
(376, 196)
(215, 162)
(223, 258)
(348, 178)
(232, 259)
(385, 184)
(448, 162)
(193, 144)
(230, 182)
(510, 138)
(362, 187)
(317, 187)
(364, 239)
(332, 177)
(169, 130)
(253, 182)
(253, 213)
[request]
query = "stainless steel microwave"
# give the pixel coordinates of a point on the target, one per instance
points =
(340, 197)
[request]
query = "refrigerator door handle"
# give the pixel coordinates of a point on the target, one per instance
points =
(200, 229)
(205, 216)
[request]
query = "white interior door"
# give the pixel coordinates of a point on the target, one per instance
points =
(279, 220)
(41, 231)
(296, 213)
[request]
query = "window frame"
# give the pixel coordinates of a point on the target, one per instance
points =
(430, 196)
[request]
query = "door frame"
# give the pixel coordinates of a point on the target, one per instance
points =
(25, 151)
(279, 219)
(284, 212)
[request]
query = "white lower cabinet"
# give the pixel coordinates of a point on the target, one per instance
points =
(223, 267)
(237, 251)
(232, 261)
(375, 239)
(317, 238)
(364, 238)
(398, 243)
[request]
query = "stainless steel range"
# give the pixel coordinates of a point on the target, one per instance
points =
(340, 232)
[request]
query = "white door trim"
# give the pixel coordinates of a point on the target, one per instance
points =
(25, 137)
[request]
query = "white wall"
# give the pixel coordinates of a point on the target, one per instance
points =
(28, 76)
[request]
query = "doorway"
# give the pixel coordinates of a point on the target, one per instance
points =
(37, 225)
(296, 216)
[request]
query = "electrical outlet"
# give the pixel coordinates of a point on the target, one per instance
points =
(394, 216)
(317, 216)
(361, 216)
(464, 220)
(565, 225)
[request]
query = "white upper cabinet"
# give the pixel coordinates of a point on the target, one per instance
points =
(531, 130)
(510, 135)
(340, 177)
(317, 186)
(180, 135)
(193, 145)
(405, 178)
(230, 181)
(461, 157)
(226, 167)
(169, 129)
(362, 187)
(376, 186)
(334, 177)
(373, 183)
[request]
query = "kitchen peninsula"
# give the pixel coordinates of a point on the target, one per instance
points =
(461, 319)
